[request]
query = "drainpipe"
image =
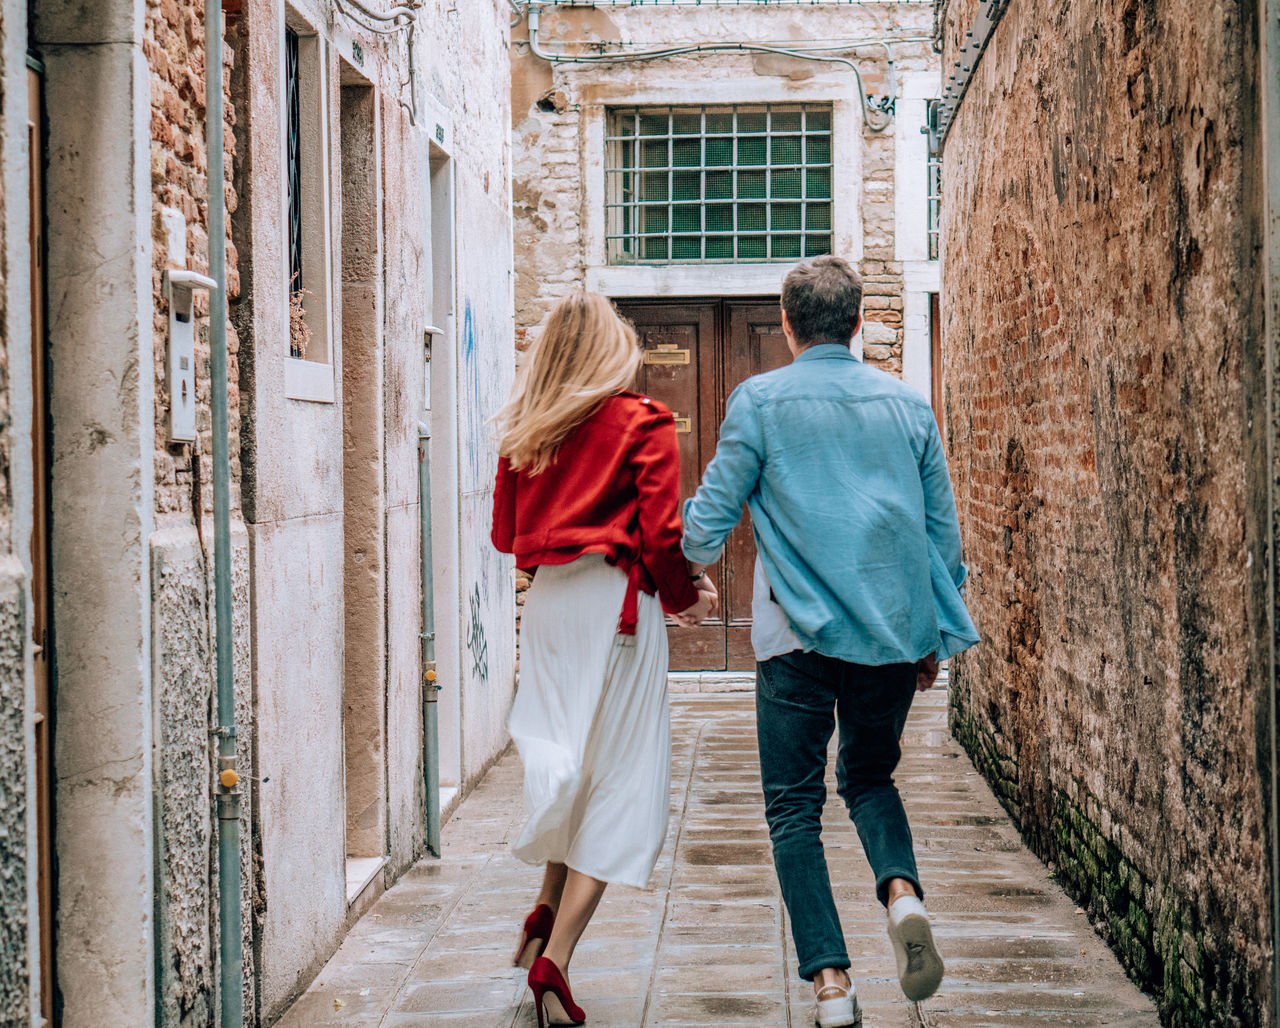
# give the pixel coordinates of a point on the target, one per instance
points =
(430, 691)
(230, 958)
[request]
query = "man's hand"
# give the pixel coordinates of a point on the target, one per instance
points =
(708, 605)
(926, 672)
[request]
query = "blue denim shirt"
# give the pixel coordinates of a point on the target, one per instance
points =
(843, 471)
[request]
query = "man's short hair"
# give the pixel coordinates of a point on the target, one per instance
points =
(822, 297)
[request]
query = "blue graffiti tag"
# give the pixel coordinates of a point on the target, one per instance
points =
(475, 443)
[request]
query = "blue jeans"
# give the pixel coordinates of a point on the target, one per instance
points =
(799, 698)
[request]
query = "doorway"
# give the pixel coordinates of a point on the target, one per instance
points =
(364, 525)
(696, 353)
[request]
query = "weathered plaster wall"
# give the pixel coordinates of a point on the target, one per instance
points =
(186, 843)
(19, 970)
(467, 76)
(103, 448)
(184, 665)
(16, 952)
(186, 899)
(405, 269)
(1100, 296)
(316, 499)
(558, 118)
(293, 492)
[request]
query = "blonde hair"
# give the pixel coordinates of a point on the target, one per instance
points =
(585, 355)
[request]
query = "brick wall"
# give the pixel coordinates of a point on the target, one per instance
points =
(1099, 305)
(181, 559)
(173, 43)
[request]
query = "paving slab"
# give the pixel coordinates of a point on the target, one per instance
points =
(707, 943)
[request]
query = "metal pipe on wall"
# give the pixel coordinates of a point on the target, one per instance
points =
(430, 691)
(230, 957)
(877, 117)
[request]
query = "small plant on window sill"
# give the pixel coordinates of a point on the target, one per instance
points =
(299, 330)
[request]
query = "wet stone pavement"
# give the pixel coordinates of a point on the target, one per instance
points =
(707, 943)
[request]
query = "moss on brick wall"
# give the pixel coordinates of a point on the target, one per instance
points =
(1151, 927)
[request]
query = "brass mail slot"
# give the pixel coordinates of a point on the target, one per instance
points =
(666, 355)
(684, 425)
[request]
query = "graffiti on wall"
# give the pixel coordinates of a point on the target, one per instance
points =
(477, 642)
(480, 394)
(477, 438)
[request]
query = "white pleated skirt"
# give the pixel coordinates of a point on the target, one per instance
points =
(592, 725)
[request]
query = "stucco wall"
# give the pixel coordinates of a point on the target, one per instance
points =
(467, 80)
(558, 127)
(1100, 304)
(18, 924)
(331, 486)
(102, 410)
(15, 806)
(181, 548)
(293, 489)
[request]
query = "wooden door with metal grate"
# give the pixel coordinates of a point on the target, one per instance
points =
(696, 354)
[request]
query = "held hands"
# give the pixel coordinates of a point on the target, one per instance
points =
(926, 672)
(708, 605)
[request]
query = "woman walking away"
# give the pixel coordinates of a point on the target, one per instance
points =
(587, 497)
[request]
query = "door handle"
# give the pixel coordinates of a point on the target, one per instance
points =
(684, 426)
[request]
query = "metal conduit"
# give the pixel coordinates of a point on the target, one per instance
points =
(230, 957)
(699, 3)
(430, 691)
(876, 117)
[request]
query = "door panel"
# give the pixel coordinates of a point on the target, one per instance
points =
(754, 344)
(696, 353)
(680, 371)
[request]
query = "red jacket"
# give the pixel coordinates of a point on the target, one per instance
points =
(613, 488)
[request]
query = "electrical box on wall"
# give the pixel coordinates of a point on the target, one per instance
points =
(428, 334)
(180, 368)
(180, 362)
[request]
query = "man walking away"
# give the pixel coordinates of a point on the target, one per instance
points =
(857, 598)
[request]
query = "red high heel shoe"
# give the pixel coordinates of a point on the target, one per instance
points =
(533, 940)
(551, 992)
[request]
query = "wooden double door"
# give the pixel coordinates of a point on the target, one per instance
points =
(696, 354)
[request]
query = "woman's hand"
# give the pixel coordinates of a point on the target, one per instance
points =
(708, 605)
(926, 672)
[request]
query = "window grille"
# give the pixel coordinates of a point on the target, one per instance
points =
(294, 130)
(935, 192)
(723, 184)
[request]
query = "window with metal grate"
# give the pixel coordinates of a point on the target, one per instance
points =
(293, 129)
(728, 184)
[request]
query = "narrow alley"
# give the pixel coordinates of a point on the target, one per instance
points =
(706, 944)
(274, 275)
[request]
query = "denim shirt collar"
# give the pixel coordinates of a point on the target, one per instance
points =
(825, 351)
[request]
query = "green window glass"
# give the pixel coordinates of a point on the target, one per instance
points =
(718, 183)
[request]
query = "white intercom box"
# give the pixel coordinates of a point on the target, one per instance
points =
(180, 363)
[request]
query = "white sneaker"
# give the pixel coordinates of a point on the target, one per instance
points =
(919, 964)
(839, 1011)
